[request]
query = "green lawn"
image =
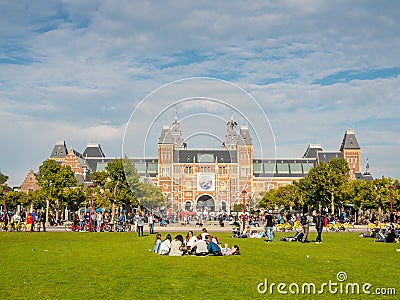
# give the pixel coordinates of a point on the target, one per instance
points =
(60, 265)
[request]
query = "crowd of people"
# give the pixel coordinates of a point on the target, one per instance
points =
(203, 244)
(26, 221)
(320, 221)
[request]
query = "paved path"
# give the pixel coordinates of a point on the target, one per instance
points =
(211, 227)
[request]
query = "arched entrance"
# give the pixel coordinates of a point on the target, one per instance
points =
(205, 201)
(223, 206)
(188, 206)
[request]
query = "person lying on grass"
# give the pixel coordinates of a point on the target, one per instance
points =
(230, 251)
(297, 238)
(212, 247)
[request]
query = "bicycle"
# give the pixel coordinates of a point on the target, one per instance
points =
(19, 226)
(72, 227)
(297, 226)
(339, 226)
(283, 227)
(372, 227)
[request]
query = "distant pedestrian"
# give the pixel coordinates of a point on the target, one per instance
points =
(319, 225)
(33, 214)
(140, 223)
(29, 221)
(43, 220)
(99, 220)
(269, 226)
(305, 223)
(150, 220)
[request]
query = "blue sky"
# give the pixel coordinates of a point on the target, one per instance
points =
(75, 70)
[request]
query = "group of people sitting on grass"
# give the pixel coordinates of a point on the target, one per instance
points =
(201, 245)
(385, 235)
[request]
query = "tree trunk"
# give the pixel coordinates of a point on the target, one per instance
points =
(332, 204)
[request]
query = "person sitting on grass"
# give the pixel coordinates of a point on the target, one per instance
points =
(213, 247)
(165, 245)
(372, 234)
(257, 235)
(297, 238)
(157, 243)
(177, 246)
(230, 251)
(246, 233)
(189, 241)
(390, 237)
(199, 248)
(204, 233)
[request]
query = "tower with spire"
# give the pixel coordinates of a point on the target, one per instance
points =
(351, 152)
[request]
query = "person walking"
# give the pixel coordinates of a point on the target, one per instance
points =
(43, 220)
(140, 223)
(319, 225)
(150, 220)
(33, 214)
(305, 223)
(99, 220)
(269, 226)
(29, 221)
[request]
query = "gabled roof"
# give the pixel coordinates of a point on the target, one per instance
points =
(172, 135)
(59, 150)
(93, 150)
(312, 150)
(245, 138)
(349, 141)
(327, 156)
(205, 156)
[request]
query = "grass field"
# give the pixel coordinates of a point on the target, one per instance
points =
(60, 265)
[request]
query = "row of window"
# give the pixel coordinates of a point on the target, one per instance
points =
(258, 168)
(282, 168)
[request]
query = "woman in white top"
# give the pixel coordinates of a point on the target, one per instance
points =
(189, 241)
(165, 246)
(200, 247)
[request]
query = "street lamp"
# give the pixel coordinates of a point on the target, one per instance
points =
(90, 208)
(5, 206)
(244, 192)
(391, 187)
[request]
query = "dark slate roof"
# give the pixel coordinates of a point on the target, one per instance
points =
(312, 150)
(94, 163)
(59, 150)
(93, 150)
(283, 167)
(79, 178)
(205, 155)
(349, 141)
(365, 176)
(327, 156)
(165, 137)
(245, 138)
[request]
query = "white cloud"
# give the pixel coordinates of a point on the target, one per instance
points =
(81, 67)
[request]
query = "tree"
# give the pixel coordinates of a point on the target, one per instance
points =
(3, 178)
(325, 185)
(54, 181)
(13, 199)
(150, 196)
(381, 193)
(118, 181)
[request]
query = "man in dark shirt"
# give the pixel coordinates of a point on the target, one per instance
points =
(319, 225)
(269, 226)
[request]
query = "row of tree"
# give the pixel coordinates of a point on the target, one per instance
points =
(117, 186)
(325, 186)
(328, 186)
